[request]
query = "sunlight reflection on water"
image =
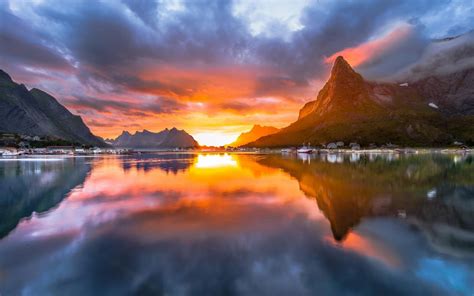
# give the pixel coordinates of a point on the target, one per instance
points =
(215, 161)
(238, 224)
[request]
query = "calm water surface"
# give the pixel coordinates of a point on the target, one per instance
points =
(225, 224)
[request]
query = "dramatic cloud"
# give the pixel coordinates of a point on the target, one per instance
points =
(214, 58)
(156, 106)
(386, 54)
(21, 44)
(441, 58)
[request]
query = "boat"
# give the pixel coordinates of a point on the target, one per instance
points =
(305, 149)
(11, 153)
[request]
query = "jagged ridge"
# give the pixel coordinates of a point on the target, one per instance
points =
(350, 109)
(167, 138)
(37, 113)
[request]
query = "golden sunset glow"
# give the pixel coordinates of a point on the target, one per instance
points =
(215, 138)
(236, 147)
(215, 161)
(215, 103)
(201, 186)
(210, 70)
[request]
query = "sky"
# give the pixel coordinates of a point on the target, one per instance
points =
(213, 68)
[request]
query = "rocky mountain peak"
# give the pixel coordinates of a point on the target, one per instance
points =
(342, 72)
(344, 90)
(341, 66)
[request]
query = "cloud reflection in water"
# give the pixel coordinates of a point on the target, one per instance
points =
(240, 224)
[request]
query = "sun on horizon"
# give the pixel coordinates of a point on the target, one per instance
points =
(215, 138)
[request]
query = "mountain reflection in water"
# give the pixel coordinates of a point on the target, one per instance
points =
(238, 224)
(436, 193)
(35, 187)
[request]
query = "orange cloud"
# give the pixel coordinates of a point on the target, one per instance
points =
(202, 83)
(210, 102)
(373, 49)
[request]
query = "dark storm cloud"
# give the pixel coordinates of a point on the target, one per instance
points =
(121, 82)
(106, 36)
(205, 32)
(138, 84)
(165, 105)
(100, 35)
(442, 58)
(330, 29)
(277, 85)
(144, 9)
(158, 105)
(116, 40)
(114, 47)
(21, 44)
(98, 104)
(396, 57)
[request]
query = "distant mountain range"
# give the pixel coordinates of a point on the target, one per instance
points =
(37, 113)
(167, 138)
(255, 133)
(431, 110)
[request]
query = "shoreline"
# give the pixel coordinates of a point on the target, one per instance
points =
(404, 151)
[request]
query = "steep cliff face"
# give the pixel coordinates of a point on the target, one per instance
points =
(35, 112)
(167, 138)
(344, 94)
(350, 109)
(255, 133)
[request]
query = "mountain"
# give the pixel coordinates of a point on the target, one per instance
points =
(255, 133)
(37, 113)
(445, 74)
(351, 109)
(167, 138)
(349, 193)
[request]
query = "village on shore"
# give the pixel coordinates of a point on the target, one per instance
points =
(35, 145)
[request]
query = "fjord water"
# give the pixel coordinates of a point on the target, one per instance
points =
(225, 224)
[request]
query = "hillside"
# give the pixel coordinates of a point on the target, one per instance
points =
(37, 113)
(255, 133)
(351, 109)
